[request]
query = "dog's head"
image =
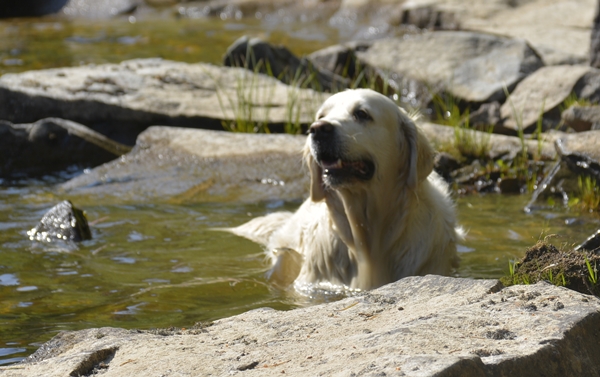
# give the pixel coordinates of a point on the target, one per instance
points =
(360, 138)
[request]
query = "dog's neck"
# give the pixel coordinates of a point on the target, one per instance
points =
(362, 221)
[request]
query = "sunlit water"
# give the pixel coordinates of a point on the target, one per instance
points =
(161, 265)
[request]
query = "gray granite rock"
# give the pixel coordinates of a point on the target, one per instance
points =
(595, 40)
(544, 91)
(177, 164)
(472, 67)
(418, 326)
(582, 118)
(121, 100)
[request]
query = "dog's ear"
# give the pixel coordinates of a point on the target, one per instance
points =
(317, 192)
(421, 153)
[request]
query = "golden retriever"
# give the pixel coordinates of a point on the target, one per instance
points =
(376, 213)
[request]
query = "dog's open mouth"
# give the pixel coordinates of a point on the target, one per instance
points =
(338, 170)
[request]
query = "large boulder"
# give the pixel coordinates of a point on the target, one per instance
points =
(472, 67)
(543, 92)
(176, 164)
(121, 100)
(418, 326)
(277, 61)
(558, 29)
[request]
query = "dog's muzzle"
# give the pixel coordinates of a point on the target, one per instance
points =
(329, 155)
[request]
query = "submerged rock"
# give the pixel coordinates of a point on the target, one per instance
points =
(51, 145)
(63, 222)
(418, 326)
(470, 66)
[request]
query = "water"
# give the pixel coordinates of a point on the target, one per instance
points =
(161, 265)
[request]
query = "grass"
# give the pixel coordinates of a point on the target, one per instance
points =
(467, 143)
(588, 197)
(573, 100)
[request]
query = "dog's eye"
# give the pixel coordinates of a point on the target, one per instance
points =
(361, 115)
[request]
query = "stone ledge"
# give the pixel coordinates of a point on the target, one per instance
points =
(418, 326)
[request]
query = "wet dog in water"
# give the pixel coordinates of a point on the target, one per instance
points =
(376, 212)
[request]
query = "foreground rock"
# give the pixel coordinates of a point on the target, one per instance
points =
(472, 67)
(121, 100)
(176, 164)
(419, 326)
(51, 145)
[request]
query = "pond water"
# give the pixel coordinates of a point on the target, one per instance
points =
(160, 265)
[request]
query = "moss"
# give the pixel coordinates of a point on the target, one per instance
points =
(575, 270)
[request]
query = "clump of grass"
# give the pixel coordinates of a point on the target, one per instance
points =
(588, 197)
(469, 143)
(573, 100)
(242, 104)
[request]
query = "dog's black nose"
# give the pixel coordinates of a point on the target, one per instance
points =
(321, 128)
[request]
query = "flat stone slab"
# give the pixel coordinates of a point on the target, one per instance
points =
(139, 93)
(418, 326)
(187, 165)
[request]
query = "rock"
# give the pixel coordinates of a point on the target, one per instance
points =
(63, 222)
(579, 156)
(559, 29)
(186, 165)
(30, 8)
(426, 15)
(121, 100)
(340, 59)
(444, 164)
(472, 67)
(488, 115)
(277, 61)
(99, 9)
(51, 145)
(544, 91)
(595, 40)
(418, 326)
(582, 118)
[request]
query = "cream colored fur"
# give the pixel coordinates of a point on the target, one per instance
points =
(364, 233)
